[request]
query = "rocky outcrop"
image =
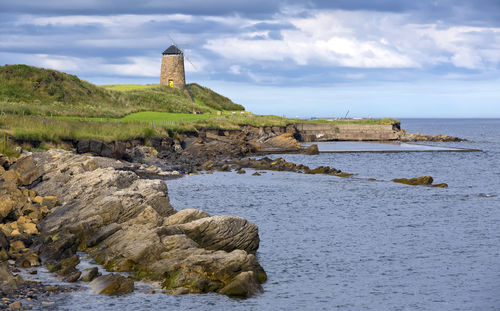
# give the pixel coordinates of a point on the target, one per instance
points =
(413, 137)
(281, 164)
(127, 224)
(282, 143)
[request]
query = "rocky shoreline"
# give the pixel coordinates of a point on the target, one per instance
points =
(56, 203)
(110, 201)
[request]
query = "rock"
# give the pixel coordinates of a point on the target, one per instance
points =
(283, 142)
(103, 234)
(244, 285)
(6, 207)
(27, 171)
(441, 185)
(112, 285)
(223, 233)
(184, 216)
(89, 274)
(8, 281)
(256, 174)
(15, 305)
(416, 181)
(29, 228)
(50, 201)
(59, 246)
(4, 242)
(240, 171)
(342, 174)
(17, 245)
(180, 291)
(73, 277)
(311, 150)
(97, 147)
(127, 224)
(324, 170)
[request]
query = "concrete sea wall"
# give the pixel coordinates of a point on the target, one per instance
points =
(310, 132)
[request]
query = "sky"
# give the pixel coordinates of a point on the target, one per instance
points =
(363, 58)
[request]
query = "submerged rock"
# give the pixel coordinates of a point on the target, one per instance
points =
(415, 181)
(420, 181)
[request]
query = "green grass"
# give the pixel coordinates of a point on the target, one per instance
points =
(26, 90)
(50, 106)
(165, 116)
(129, 87)
(5, 146)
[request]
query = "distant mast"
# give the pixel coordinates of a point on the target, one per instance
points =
(172, 68)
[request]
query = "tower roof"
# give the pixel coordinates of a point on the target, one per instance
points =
(172, 50)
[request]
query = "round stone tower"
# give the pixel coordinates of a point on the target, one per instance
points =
(172, 68)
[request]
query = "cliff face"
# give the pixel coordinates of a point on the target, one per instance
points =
(310, 132)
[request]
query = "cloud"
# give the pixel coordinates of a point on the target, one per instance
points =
(293, 42)
(364, 40)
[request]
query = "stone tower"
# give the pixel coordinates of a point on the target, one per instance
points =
(172, 68)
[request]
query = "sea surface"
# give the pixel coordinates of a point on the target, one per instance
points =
(331, 243)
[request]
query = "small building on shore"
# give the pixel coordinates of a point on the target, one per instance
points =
(172, 67)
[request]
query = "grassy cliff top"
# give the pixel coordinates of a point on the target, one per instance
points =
(27, 90)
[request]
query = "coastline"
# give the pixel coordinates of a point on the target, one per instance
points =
(120, 165)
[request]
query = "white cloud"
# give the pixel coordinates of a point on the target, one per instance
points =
(365, 40)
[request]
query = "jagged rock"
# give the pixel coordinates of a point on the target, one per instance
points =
(112, 285)
(223, 233)
(59, 245)
(283, 142)
(26, 170)
(311, 150)
(184, 216)
(100, 148)
(244, 285)
(103, 234)
(127, 224)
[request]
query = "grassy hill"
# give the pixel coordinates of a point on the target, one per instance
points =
(27, 90)
(50, 106)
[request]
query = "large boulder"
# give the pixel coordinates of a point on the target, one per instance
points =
(223, 233)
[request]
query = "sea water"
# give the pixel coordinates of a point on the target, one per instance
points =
(331, 243)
